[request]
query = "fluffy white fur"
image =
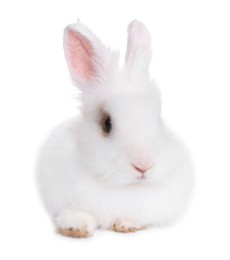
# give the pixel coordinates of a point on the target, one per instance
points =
(87, 179)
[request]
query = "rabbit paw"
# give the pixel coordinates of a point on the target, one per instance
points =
(126, 226)
(77, 224)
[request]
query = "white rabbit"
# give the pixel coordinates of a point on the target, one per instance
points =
(116, 166)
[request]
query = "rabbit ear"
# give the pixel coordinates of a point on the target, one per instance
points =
(139, 51)
(83, 52)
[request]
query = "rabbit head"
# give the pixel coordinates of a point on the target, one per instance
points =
(121, 137)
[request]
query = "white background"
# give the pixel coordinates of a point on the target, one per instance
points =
(191, 65)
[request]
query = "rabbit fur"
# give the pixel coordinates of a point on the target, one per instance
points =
(135, 175)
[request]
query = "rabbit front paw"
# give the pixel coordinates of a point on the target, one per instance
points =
(126, 226)
(74, 223)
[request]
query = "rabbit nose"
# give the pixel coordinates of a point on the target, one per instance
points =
(141, 168)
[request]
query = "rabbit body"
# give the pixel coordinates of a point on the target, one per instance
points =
(116, 165)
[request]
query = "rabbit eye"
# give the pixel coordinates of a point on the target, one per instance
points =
(107, 125)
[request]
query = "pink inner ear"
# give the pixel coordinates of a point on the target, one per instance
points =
(79, 54)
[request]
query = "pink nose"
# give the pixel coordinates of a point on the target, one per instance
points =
(142, 168)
